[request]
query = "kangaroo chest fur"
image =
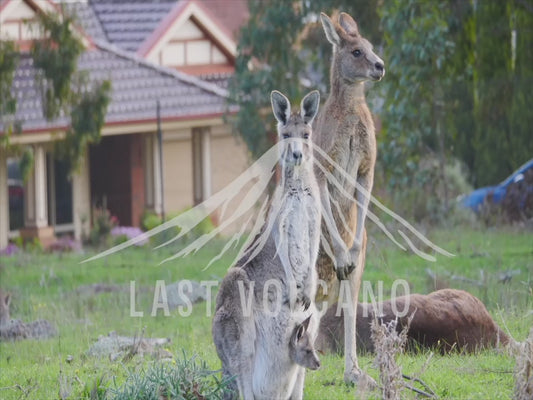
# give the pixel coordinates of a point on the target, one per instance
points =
(345, 131)
(292, 245)
(297, 230)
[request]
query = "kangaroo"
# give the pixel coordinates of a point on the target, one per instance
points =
(448, 320)
(258, 346)
(15, 329)
(5, 301)
(301, 348)
(280, 363)
(345, 131)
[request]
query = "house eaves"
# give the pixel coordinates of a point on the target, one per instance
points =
(137, 85)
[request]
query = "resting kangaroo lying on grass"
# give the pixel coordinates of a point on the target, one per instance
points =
(263, 327)
(15, 329)
(447, 320)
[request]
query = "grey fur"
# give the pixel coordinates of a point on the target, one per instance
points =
(266, 353)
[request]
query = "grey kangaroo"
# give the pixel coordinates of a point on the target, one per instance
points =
(263, 327)
(15, 329)
(345, 131)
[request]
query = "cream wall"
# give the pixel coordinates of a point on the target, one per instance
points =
(229, 158)
(177, 170)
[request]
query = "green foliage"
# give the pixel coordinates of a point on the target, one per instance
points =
(26, 162)
(454, 89)
(189, 379)
(265, 62)
(57, 57)
(204, 227)
(102, 224)
(8, 104)
(9, 58)
(455, 86)
(521, 142)
(150, 220)
(417, 50)
(64, 88)
(493, 85)
(98, 389)
(87, 118)
(426, 199)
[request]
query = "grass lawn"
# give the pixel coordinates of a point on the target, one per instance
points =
(44, 286)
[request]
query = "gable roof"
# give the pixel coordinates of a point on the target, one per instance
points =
(181, 12)
(136, 86)
(139, 25)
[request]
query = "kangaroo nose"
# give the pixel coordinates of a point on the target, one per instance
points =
(379, 66)
(297, 156)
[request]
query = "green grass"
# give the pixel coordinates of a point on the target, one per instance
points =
(43, 286)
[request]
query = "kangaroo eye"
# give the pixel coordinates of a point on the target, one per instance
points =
(286, 136)
(356, 53)
(306, 136)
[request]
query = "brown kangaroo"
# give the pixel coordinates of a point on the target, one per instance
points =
(447, 320)
(345, 131)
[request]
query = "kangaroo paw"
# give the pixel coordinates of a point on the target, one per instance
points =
(344, 271)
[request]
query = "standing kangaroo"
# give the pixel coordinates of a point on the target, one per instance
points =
(345, 131)
(263, 334)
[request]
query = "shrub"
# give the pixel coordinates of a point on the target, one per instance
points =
(103, 222)
(188, 379)
(150, 220)
(431, 197)
(205, 226)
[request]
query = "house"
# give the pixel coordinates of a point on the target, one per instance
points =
(175, 53)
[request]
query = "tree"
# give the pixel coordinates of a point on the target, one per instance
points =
(457, 86)
(417, 53)
(9, 58)
(521, 125)
(493, 91)
(63, 88)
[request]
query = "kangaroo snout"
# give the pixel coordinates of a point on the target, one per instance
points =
(297, 155)
(315, 365)
(379, 70)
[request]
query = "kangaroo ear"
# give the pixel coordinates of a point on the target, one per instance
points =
(348, 24)
(305, 324)
(329, 30)
(7, 299)
(309, 106)
(280, 106)
(300, 331)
